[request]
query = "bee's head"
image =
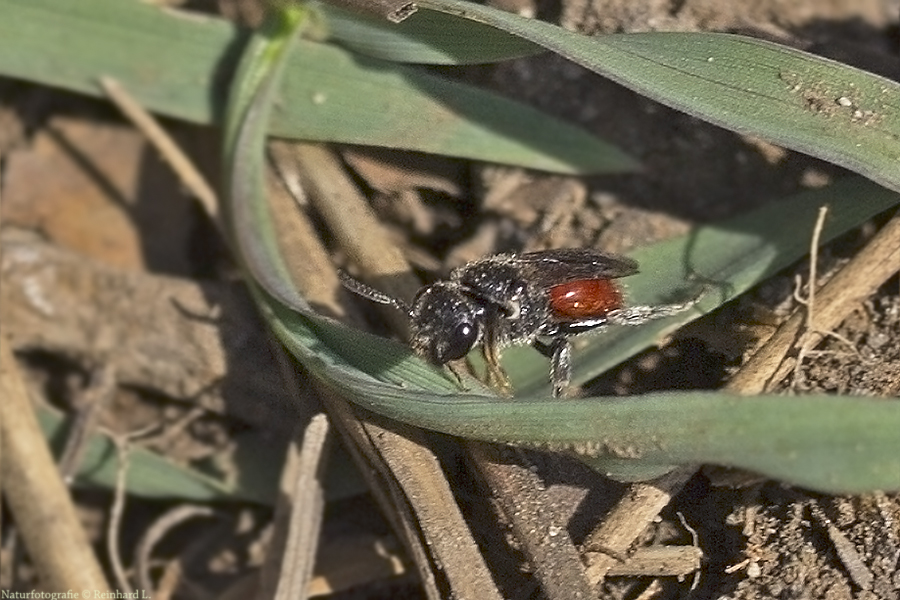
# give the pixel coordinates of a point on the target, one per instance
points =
(445, 323)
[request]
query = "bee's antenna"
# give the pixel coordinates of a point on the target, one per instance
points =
(358, 287)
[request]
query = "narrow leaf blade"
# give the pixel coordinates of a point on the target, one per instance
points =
(425, 37)
(793, 98)
(179, 64)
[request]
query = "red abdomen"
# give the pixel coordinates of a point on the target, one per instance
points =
(588, 298)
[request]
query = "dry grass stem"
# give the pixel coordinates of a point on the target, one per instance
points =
(181, 164)
(307, 494)
(309, 264)
(856, 281)
(100, 391)
(36, 494)
(351, 221)
(659, 561)
(115, 516)
(168, 521)
(538, 526)
(629, 518)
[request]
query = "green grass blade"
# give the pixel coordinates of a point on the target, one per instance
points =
(425, 37)
(795, 99)
(179, 65)
(153, 476)
(833, 444)
(394, 106)
(250, 102)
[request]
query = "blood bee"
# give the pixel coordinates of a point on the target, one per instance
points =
(538, 298)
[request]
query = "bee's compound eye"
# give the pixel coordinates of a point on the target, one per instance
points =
(459, 342)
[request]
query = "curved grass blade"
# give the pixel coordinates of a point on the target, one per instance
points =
(425, 37)
(250, 101)
(828, 443)
(795, 99)
(178, 64)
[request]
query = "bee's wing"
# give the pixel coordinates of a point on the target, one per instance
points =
(548, 268)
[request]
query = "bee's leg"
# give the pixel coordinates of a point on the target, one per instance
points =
(496, 377)
(457, 367)
(560, 365)
(490, 348)
(638, 315)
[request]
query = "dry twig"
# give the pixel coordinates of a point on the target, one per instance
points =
(628, 519)
(168, 521)
(189, 175)
(540, 530)
(115, 515)
(38, 499)
(856, 281)
(306, 466)
(101, 389)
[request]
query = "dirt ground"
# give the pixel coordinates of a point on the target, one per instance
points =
(73, 172)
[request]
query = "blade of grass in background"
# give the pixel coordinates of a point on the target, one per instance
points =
(179, 65)
(795, 99)
(251, 474)
(153, 476)
(425, 37)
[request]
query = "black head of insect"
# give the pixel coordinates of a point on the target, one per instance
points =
(445, 322)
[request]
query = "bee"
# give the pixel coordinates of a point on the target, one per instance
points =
(540, 298)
